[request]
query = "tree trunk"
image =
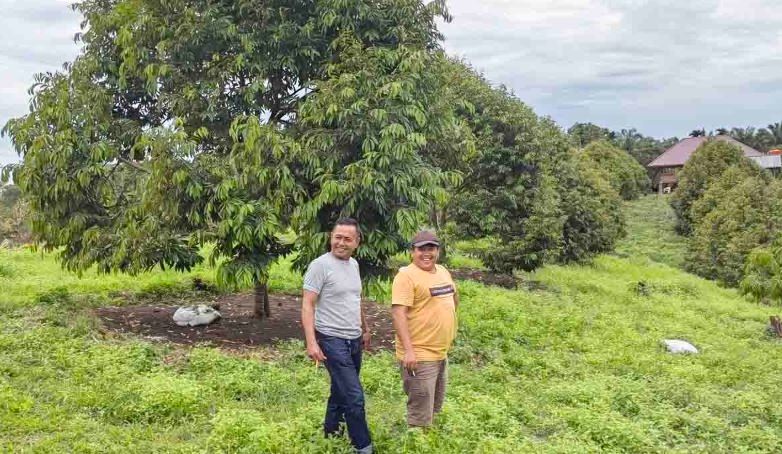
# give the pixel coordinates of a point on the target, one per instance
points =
(433, 218)
(266, 309)
(261, 300)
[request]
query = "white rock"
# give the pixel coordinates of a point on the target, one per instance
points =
(679, 346)
(195, 315)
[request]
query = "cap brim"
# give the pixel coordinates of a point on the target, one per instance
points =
(424, 243)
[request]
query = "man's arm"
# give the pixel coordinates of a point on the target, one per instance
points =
(456, 299)
(366, 335)
(308, 301)
(399, 314)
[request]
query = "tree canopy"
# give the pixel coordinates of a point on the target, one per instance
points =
(705, 165)
(522, 185)
(189, 123)
(185, 123)
(745, 214)
(625, 175)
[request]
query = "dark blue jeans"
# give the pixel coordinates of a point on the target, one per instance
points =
(346, 402)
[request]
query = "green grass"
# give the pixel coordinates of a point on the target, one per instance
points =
(574, 368)
(650, 232)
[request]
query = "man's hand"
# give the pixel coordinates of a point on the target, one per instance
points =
(409, 362)
(315, 353)
(366, 340)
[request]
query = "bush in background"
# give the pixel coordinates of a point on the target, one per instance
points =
(524, 187)
(746, 213)
(706, 165)
(763, 274)
(621, 170)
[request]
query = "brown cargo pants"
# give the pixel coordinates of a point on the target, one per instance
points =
(425, 391)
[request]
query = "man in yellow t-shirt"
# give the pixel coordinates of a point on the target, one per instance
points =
(424, 303)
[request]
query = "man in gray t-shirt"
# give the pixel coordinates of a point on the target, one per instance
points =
(337, 283)
(336, 332)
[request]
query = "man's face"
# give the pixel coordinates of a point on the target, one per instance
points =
(344, 240)
(425, 257)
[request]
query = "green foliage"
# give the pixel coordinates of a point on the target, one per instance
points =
(762, 139)
(705, 165)
(155, 397)
(643, 148)
(520, 186)
(624, 174)
(369, 125)
(190, 123)
(763, 274)
(582, 134)
(745, 213)
(578, 369)
(9, 196)
(651, 233)
(594, 218)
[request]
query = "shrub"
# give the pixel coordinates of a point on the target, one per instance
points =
(524, 187)
(594, 215)
(763, 274)
(621, 170)
(718, 190)
(706, 165)
(745, 216)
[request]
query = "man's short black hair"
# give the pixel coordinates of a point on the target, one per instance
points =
(349, 221)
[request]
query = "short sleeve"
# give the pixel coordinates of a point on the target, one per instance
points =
(315, 277)
(402, 290)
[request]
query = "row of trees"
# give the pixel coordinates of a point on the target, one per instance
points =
(525, 187)
(644, 148)
(186, 123)
(731, 209)
(763, 139)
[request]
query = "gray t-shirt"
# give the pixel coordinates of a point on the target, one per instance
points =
(338, 285)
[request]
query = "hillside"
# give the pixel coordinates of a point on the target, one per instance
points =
(572, 366)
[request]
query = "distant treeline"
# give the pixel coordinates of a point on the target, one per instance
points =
(645, 148)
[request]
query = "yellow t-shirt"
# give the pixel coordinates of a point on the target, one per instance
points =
(431, 317)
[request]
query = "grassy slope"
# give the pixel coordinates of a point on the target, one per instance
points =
(574, 368)
(650, 232)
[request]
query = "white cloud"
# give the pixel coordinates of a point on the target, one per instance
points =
(662, 66)
(35, 36)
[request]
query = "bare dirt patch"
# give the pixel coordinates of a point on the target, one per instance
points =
(237, 329)
(501, 280)
(485, 277)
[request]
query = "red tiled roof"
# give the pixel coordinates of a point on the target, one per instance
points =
(680, 153)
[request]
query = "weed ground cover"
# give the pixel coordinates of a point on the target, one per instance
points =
(574, 366)
(651, 234)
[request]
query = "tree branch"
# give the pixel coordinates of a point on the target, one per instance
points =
(133, 164)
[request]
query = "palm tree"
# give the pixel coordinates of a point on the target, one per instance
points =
(743, 135)
(698, 133)
(776, 132)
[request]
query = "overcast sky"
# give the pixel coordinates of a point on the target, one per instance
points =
(665, 67)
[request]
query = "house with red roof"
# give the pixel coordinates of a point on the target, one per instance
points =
(666, 166)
